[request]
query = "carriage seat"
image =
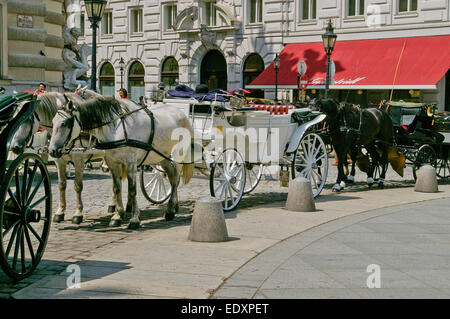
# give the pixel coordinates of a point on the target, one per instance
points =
(7, 109)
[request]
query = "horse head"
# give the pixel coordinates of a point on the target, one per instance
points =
(329, 107)
(66, 128)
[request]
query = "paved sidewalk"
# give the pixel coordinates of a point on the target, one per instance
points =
(162, 263)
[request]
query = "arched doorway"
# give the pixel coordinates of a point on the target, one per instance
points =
(213, 71)
(107, 79)
(253, 66)
(169, 73)
(136, 85)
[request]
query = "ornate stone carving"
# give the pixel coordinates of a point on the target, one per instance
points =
(207, 37)
(75, 58)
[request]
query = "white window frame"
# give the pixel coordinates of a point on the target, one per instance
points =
(210, 20)
(311, 14)
(138, 31)
(408, 10)
(174, 12)
(107, 23)
(259, 8)
(357, 8)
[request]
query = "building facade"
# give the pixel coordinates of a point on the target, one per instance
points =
(227, 43)
(31, 44)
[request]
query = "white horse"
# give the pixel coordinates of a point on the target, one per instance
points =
(112, 121)
(46, 110)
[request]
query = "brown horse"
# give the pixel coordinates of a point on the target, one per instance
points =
(351, 128)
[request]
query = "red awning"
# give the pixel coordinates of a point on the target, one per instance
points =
(399, 63)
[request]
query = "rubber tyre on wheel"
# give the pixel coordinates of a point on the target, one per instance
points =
(311, 160)
(228, 177)
(25, 215)
(425, 155)
(155, 184)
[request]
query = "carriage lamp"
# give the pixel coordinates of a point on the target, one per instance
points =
(329, 39)
(94, 10)
(276, 66)
(122, 67)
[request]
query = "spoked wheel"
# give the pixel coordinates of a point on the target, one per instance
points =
(443, 168)
(425, 155)
(227, 178)
(443, 163)
(26, 207)
(253, 173)
(155, 184)
(311, 160)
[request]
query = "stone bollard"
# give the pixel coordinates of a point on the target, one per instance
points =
(426, 180)
(300, 197)
(208, 222)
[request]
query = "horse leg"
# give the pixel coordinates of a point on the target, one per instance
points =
(78, 162)
(173, 173)
(116, 174)
(132, 203)
(340, 184)
(351, 176)
(384, 166)
(375, 160)
(62, 184)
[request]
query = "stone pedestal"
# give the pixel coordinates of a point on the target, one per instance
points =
(208, 221)
(300, 197)
(426, 180)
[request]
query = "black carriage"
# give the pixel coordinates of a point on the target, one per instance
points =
(421, 135)
(25, 194)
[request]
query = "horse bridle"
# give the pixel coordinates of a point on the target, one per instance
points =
(70, 122)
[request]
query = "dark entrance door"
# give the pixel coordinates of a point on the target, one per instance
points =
(213, 71)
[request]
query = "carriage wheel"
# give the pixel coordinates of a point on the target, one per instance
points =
(155, 184)
(227, 178)
(443, 168)
(26, 207)
(253, 173)
(425, 155)
(311, 160)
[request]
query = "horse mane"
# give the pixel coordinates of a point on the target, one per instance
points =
(48, 105)
(97, 111)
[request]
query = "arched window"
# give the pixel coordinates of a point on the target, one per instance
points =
(169, 73)
(136, 86)
(107, 79)
(253, 66)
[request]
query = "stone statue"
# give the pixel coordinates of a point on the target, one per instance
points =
(75, 57)
(73, 13)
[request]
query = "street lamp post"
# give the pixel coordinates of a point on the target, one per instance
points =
(276, 66)
(122, 66)
(94, 10)
(329, 39)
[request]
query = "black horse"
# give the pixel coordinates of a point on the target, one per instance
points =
(351, 128)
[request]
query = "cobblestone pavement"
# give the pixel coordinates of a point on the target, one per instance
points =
(69, 243)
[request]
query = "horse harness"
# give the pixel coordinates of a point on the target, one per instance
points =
(147, 146)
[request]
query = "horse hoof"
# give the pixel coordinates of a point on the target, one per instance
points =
(77, 219)
(336, 188)
(169, 216)
(115, 223)
(111, 208)
(133, 226)
(129, 209)
(58, 218)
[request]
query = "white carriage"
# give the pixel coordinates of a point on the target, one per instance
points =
(238, 141)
